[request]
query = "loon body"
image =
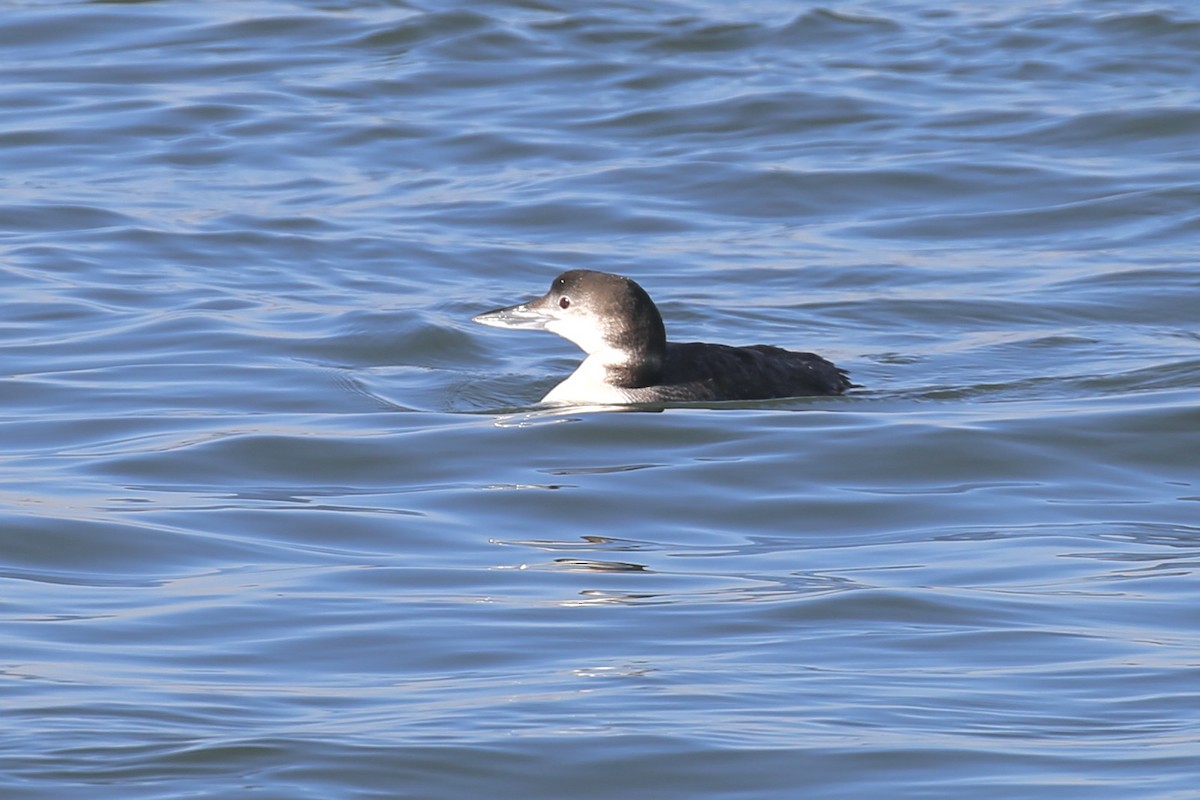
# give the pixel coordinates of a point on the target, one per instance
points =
(629, 359)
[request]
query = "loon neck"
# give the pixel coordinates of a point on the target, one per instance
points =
(635, 371)
(601, 380)
(637, 349)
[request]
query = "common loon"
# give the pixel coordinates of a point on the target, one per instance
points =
(629, 359)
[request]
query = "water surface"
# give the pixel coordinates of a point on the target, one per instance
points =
(277, 521)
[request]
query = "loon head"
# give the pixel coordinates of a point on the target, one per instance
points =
(609, 317)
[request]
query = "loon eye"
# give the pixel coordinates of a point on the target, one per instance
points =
(564, 302)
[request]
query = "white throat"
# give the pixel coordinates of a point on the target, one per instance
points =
(587, 385)
(588, 334)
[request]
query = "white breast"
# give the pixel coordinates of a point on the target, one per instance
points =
(587, 386)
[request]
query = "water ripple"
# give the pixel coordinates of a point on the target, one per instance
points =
(276, 519)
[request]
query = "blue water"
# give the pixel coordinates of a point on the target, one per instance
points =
(277, 521)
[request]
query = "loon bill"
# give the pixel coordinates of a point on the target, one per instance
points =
(629, 359)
